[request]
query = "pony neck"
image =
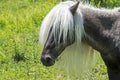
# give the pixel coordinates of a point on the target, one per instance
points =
(97, 25)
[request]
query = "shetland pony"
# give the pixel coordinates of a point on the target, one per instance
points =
(71, 32)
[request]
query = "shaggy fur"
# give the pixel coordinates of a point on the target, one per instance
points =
(65, 22)
(80, 58)
(92, 26)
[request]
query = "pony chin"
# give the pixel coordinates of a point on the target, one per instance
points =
(77, 60)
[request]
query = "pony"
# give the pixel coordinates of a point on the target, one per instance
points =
(71, 32)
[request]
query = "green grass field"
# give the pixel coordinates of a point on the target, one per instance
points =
(19, 47)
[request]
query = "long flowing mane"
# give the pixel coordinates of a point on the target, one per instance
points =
(65, 22)
(78, 57)
(74, 56)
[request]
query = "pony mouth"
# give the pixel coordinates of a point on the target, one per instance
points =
(47, 61)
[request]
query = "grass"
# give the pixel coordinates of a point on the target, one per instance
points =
(19, 49)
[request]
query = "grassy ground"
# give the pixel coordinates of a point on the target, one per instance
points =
(19, 48)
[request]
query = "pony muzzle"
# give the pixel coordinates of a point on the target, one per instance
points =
(47, 60)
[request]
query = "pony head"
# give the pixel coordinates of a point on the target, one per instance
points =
(61, 27)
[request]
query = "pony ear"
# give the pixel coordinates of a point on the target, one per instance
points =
(74, 8)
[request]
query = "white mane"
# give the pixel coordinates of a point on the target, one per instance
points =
(77, 57)
(61, 18)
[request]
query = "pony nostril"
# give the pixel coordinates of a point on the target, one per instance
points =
(47, 60)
